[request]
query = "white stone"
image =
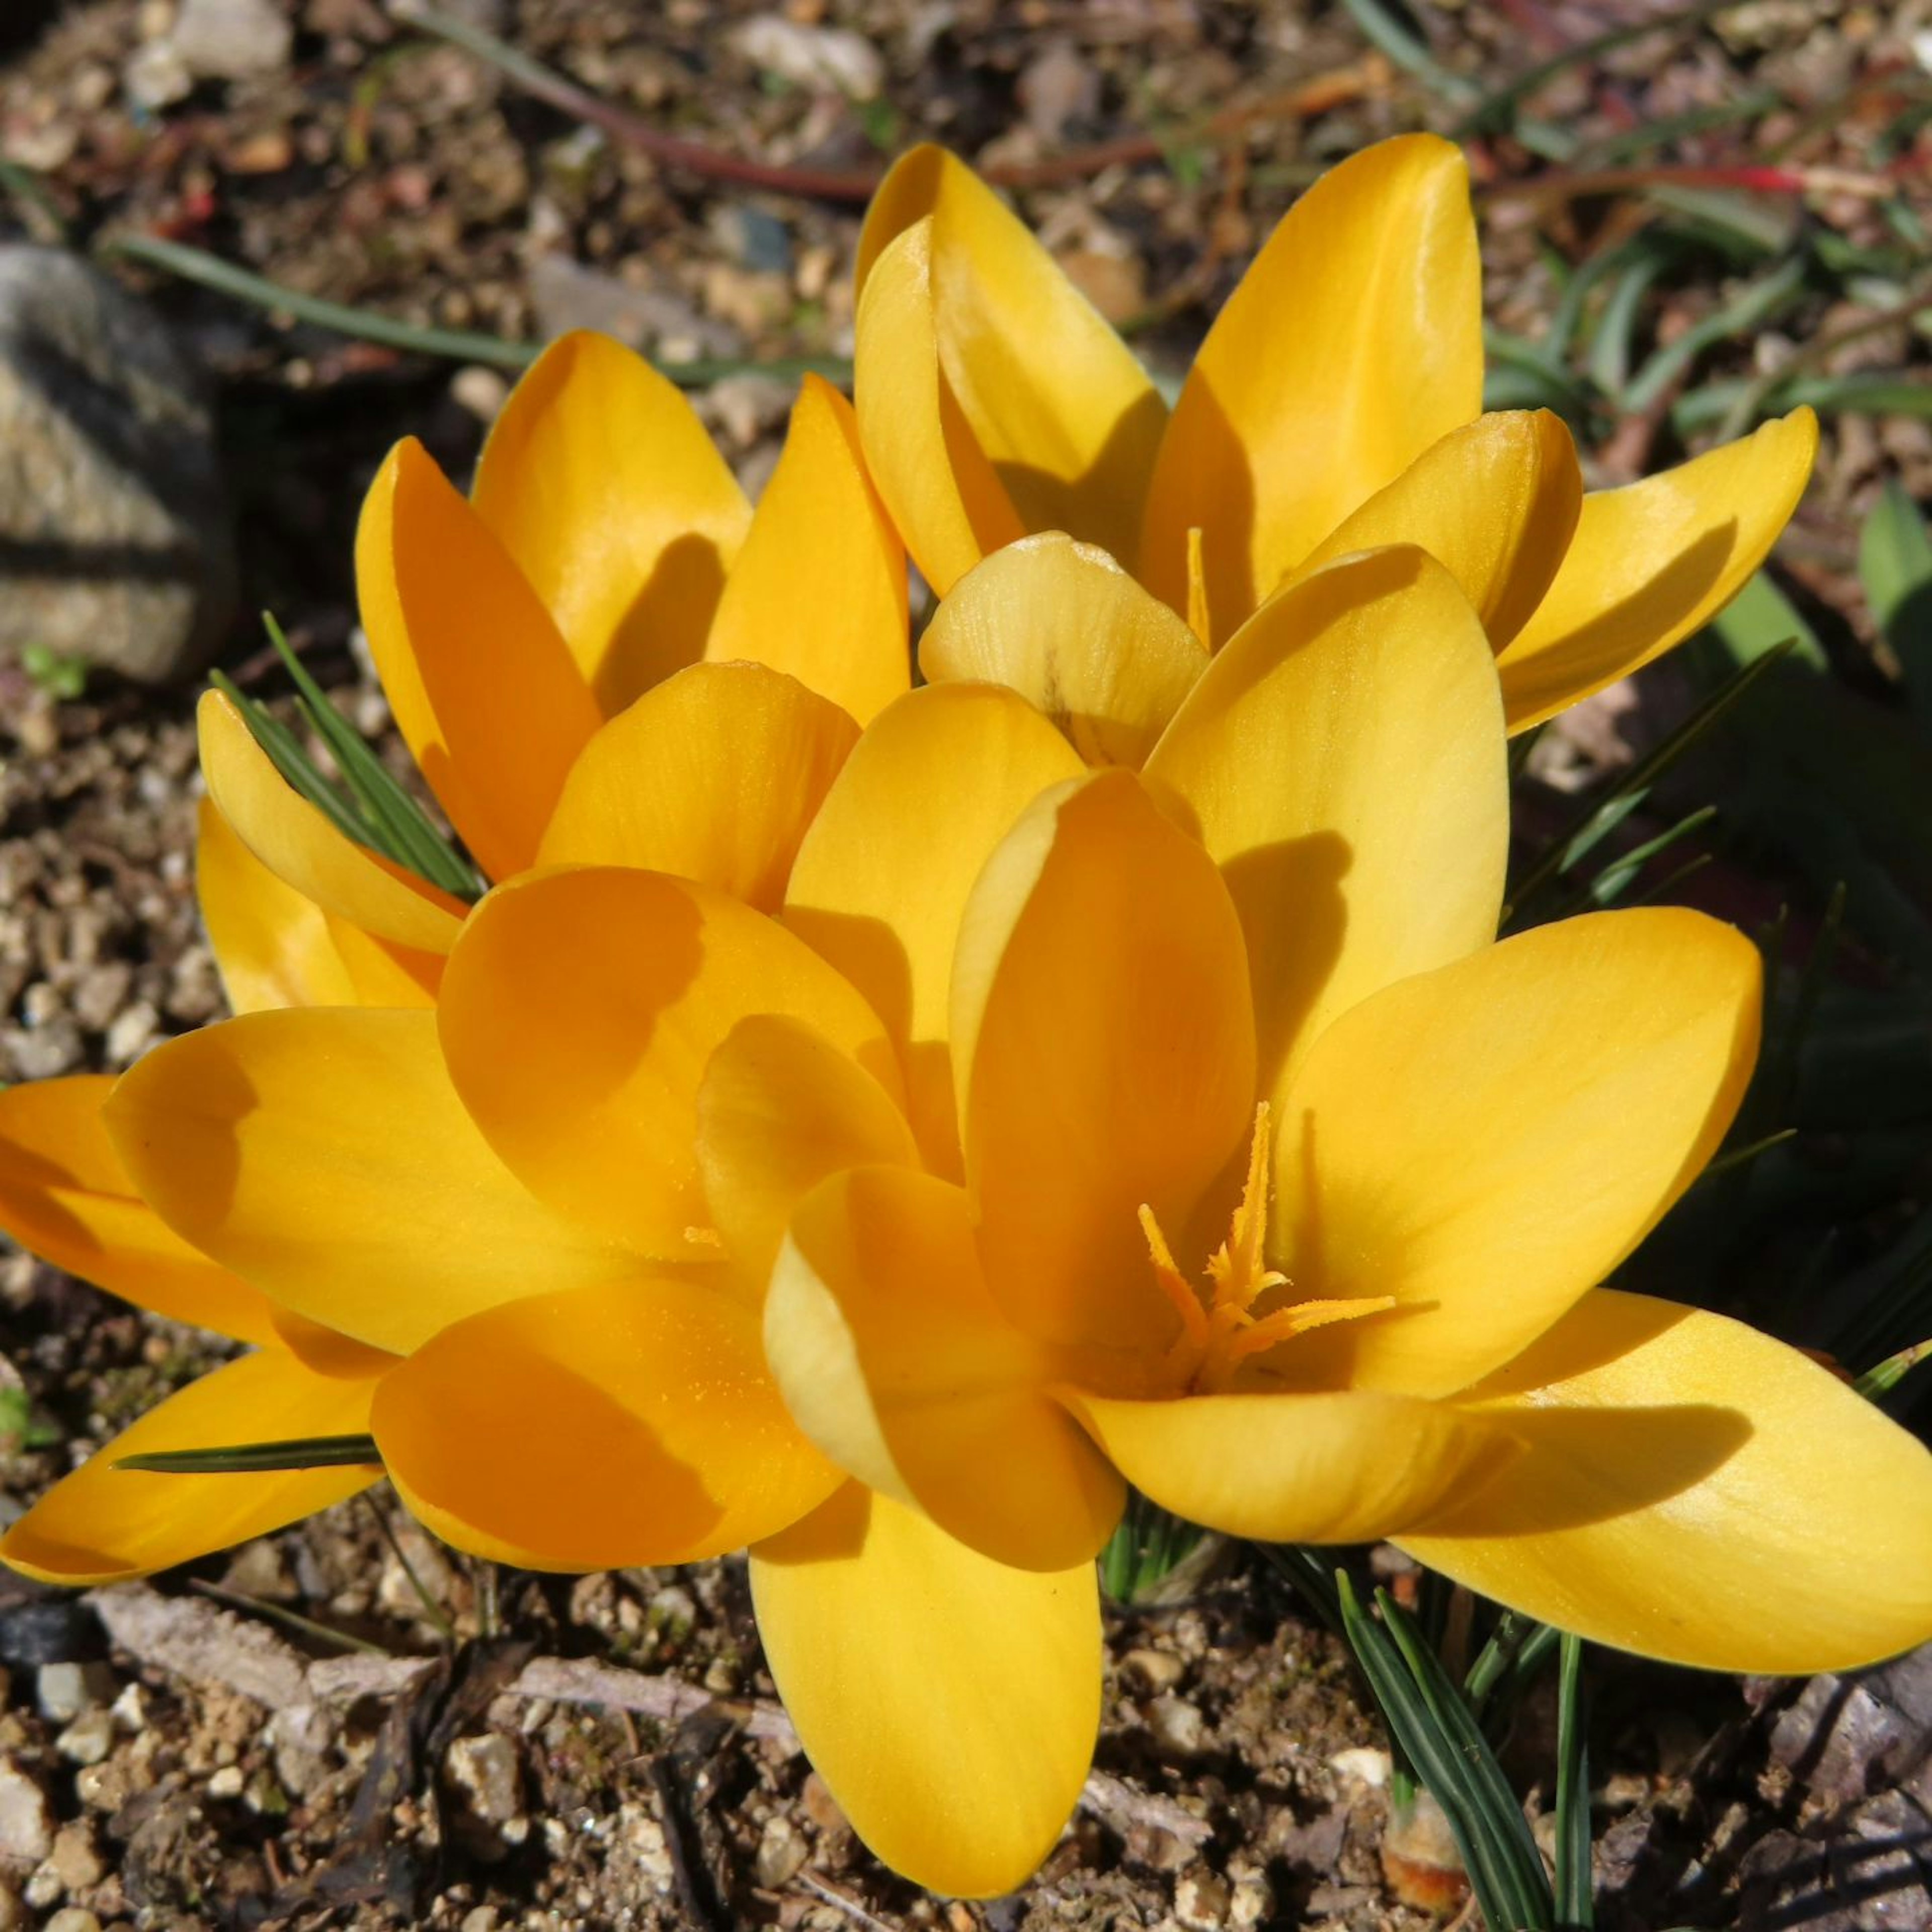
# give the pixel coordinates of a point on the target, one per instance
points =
(26, 1826)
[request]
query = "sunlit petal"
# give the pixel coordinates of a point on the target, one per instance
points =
(898, 1362)
(633, 1423)
(1496, 502)
(102, 1524)
(820, 590)
(1653, 561)
(1486, 1142)
(1692, 1490)
(1102, 1043)
(1063, 625)
(64, 1194)
(578, 1014)
(324, 1155)
(605, 489)
(1354, 342)
(302, 848)
(882, 878)
(484, 689)
(713, 775)
(1343, 760)
(950, 1703)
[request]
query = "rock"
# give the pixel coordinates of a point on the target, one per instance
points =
(13, 1912)
(1202, 1900)
(832, 59)
(63, 1690)
(1364, 1761)
(233, 39)
(72, 1918)
(566, 296)
(782, 1852)
(485, 1773)
(87, 1739)
(48, 1629)
(480, 391)
(1056, 86)
(301, 1738)
(156, 76)
(26, 1825)
(44, 1887)
(1177, 1726)
(115, 530)
(1846, 1736)
(752, 238)
(1158, 1669)
(75, 1858)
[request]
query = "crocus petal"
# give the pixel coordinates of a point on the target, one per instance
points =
(1650, 563)
(820, 589)
(1343, 760)
(713, 775)
(577, 1015)
(897, 1361)
(780, 1109)
(1103, 1046)
(1063, 625)
(484, 689)
(271, 942)
(1346, 1466)
(382, 972)
(931, 474)
(950, 1703)
(64, 1194)
(882, 877)
(1495, 501)
(603, 487)
(1486, 1142)
(102, 1524)
(302, 849)
(324, 1155)
(631, 1423)
(1052, 396)
(1354, 342)
(1692, 1490)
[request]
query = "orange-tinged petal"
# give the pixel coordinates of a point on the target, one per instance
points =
(820, 589)
(606, 491)
(897, 1361)
(484, 689)
(1343, 760)
(1495, 501)
(882, 878)
(1692, 1490)
(102, 1524)
(779, 1109)
(302, 849)
(713, 775)
(1063, 625)
(1346, 1466)
(1354, 342)
(950, 1703)
(578, 1013)
(382, 972)
(931, 474)
(324, 1155)
(325, 1352)
(1652, 561)
(632, 1424)
(1103, 1045)
(64, 1194)
(1486, 1142)
(1053, 397)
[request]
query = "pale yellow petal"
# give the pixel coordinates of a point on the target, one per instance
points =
(820, 589)
(1486, 1142)
(1691, 1489)
(1343, 761)
(950, 1703)
(1354, 342)
(882, 878)
(1064, 625)
(714, 775)
(1652, 561)
(606, 489)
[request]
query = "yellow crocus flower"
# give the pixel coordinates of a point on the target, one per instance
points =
(1335, 405)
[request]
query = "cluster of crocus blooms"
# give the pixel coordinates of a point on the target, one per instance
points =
(872, 1126)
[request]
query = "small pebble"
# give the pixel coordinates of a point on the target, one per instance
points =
(87, 1739)
(1177, 1726)
(26, 1825)
(63, 1690)
(226, 1782)
(72, 1918)
(487, 1773)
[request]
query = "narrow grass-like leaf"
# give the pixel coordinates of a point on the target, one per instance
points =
(1761, 618)
(1895, 566)
(285, 752)
(247, 1459)
(1612, 342)
(1145, 1549)
(1312, 1575)
(1887, 1375)
(1874, 392)
(1749, 1151)
(1384, 27)
(1609, 885)
(1576, 1896)
(1743, 316)
(396, 825)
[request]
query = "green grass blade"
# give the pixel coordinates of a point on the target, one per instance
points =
(285, 752)
(1887, 1374)
(1744, 315)
(1576, 1896)
(1609, 885)
(248, 1459)
(1895, 566)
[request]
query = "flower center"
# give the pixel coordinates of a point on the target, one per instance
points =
(1218, 1327)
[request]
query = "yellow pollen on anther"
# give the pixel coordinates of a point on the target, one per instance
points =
(1197, 588)
(1218, 1335)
